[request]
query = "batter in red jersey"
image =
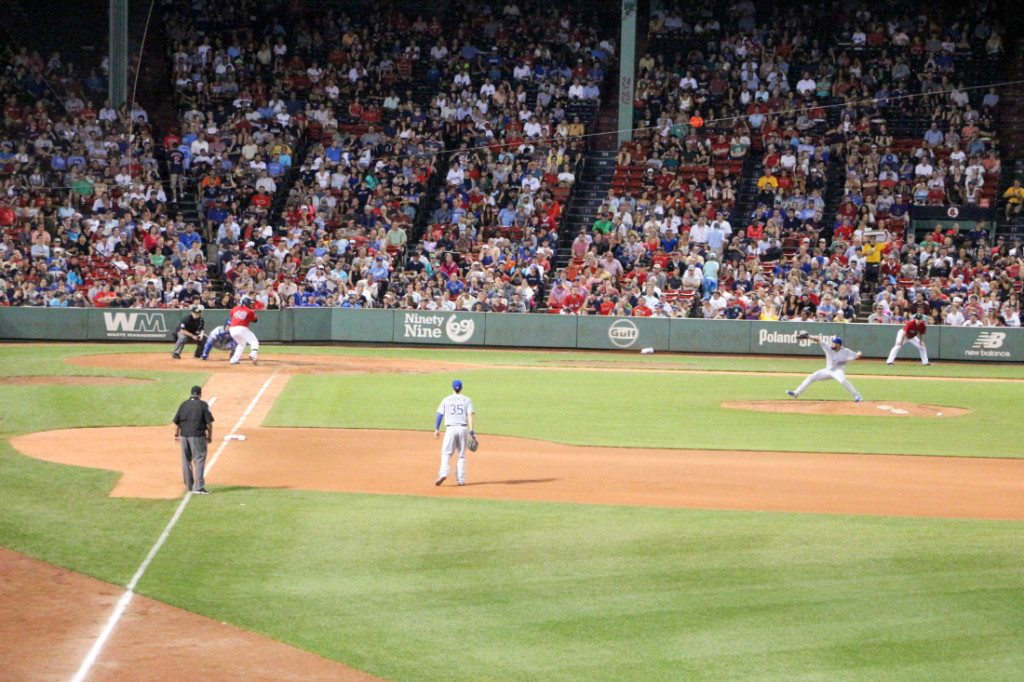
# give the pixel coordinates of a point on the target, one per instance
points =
(913, 333)
(241, 317)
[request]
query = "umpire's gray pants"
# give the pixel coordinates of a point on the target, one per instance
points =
(181, 340)
(193, 458)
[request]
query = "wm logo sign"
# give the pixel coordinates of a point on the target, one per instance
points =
(135, 325)
(989, 340)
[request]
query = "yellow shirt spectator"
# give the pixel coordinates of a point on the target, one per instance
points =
(767, 182)
(873, 253)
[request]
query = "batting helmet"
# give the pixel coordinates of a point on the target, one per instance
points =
(837, 340)
(919, 317)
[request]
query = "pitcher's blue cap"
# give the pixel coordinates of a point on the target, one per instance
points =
(837, 339)
(457, 385)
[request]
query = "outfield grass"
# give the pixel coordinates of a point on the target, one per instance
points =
(420, 589)
(434, 589)
(636, 409)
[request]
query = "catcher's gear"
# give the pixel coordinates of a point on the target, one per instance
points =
(473, 443)
(803, 336)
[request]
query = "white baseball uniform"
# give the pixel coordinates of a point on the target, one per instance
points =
(835, 368)
(455, 409)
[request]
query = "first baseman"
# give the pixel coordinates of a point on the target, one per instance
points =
(836, 358)
(913, 333)
(457, 413)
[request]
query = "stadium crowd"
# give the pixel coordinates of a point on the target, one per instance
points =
(760, 95)
(315, 145)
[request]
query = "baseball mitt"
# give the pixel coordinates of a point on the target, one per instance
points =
(803, 336)
(473, 443)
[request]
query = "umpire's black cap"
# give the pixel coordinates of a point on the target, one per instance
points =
(197, 390)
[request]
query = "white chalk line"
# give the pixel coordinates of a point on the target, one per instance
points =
(126, 598)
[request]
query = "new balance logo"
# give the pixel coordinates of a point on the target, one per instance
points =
(989, 340)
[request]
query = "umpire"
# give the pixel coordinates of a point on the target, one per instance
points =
(193, 428)
(190, 329)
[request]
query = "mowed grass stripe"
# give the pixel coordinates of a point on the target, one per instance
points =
(420, 589)
(638, 409)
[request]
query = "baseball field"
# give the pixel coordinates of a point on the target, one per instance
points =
(656, 517)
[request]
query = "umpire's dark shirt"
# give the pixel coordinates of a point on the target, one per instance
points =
(192, 324)
(192, 417)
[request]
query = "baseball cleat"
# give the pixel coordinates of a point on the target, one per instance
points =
(791, 394)
(202, 357)
(857, 399)
(462, 483)
(201, 491)
(253, 358)
(889, 364)
(440, 480)
(926, 364)
(232, 363)
(175, 356)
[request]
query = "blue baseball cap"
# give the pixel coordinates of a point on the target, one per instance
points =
(837, 340)
(457, 385)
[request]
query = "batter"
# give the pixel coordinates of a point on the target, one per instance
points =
(241, 317)
(457, 413)
(836, 359)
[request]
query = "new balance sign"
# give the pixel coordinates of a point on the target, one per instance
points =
(988, 345)
(135, 325)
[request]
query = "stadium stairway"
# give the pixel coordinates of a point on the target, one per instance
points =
(588, 195)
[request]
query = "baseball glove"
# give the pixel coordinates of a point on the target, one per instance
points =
(473, 443)
(803, 336)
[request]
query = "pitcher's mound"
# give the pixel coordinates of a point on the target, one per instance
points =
(875, 408)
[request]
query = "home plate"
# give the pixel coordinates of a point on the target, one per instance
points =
(235, 436)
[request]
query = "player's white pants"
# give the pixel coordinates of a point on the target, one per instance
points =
(901, 338)
(455, 438)
(243, 336)
(824, 375)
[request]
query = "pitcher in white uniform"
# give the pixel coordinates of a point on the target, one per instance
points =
(456, 411)
(836, 358)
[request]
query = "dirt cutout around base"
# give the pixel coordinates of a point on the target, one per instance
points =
(848, 407)
(52, 616)
(507, 468)
(68, 381)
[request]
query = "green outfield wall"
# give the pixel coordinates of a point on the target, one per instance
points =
(319, 325)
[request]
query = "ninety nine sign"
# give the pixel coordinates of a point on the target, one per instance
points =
(437, 327)
(135, 325)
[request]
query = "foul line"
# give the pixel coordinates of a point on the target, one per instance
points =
(122, 603)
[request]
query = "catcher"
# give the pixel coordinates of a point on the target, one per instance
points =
(836, 358)
(456, 410)
(190, 329)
